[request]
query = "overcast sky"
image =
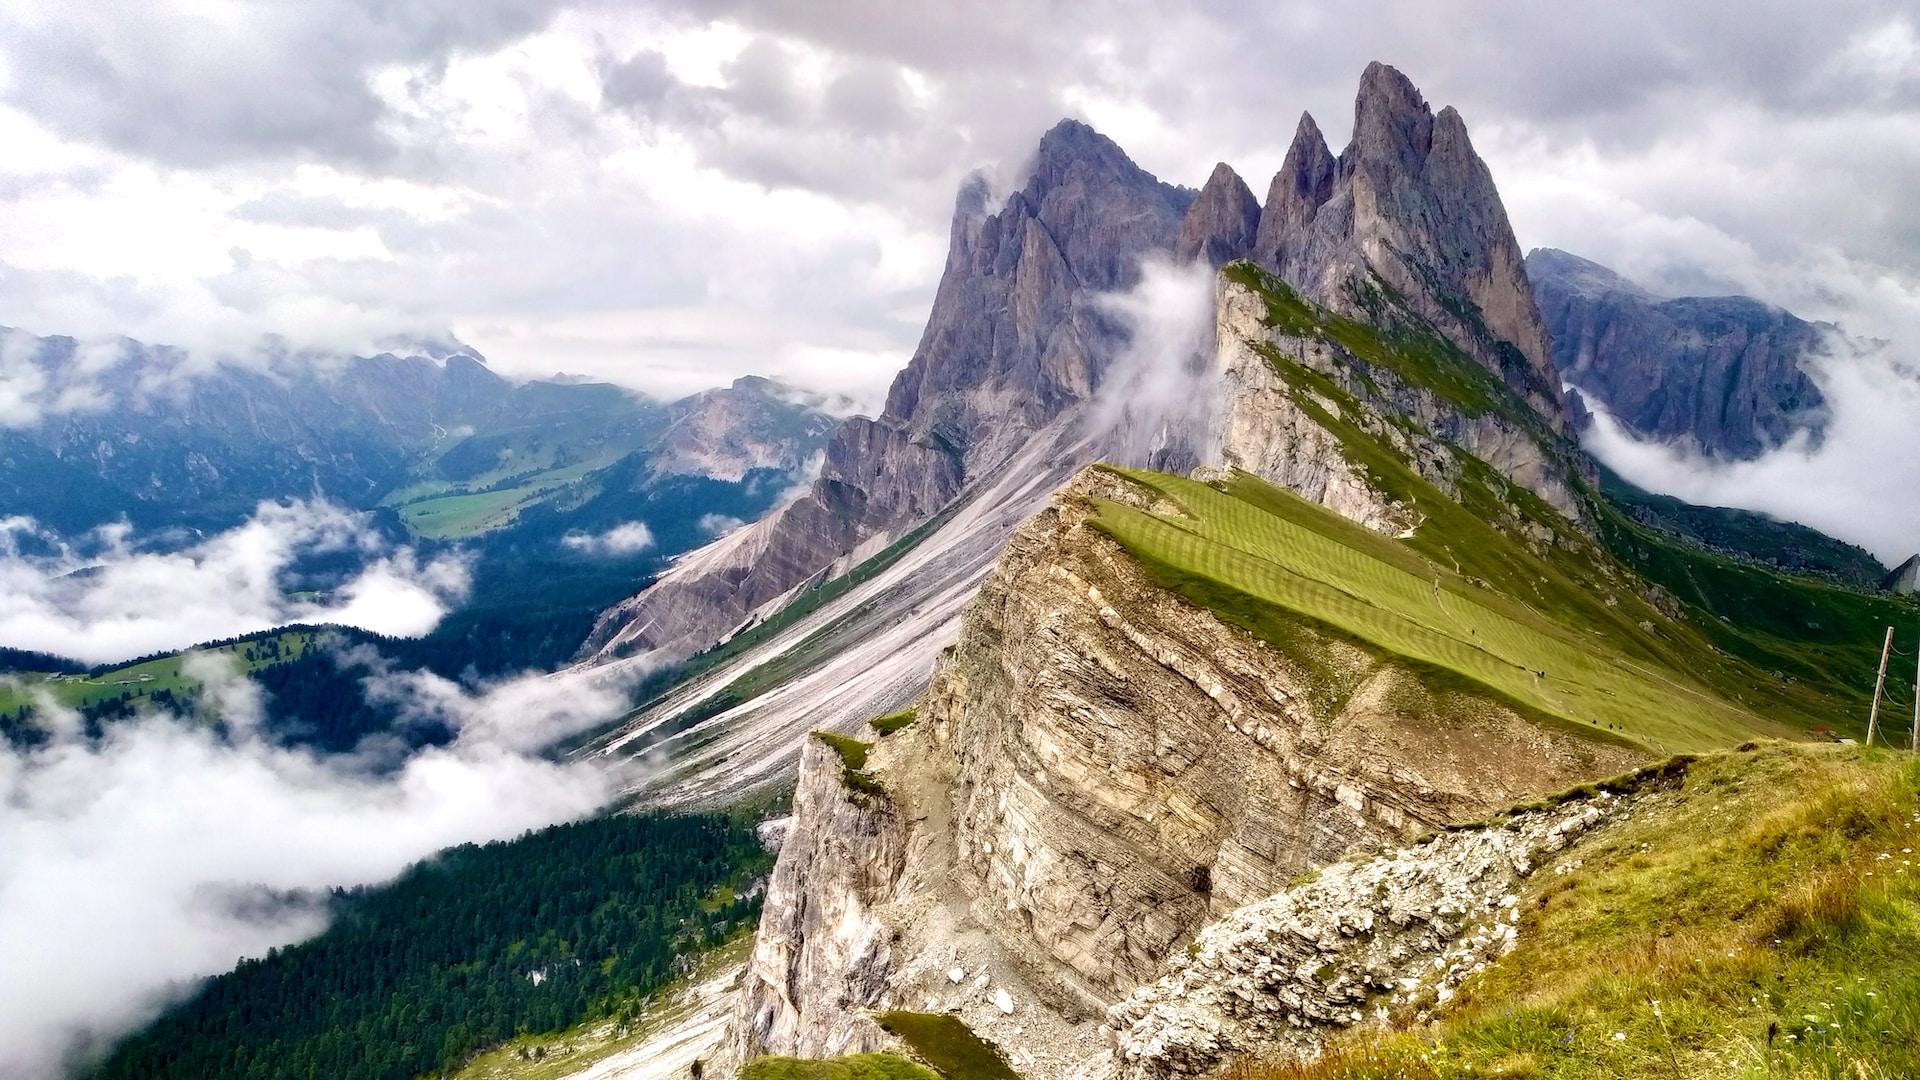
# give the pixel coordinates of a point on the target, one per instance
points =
(669, 194)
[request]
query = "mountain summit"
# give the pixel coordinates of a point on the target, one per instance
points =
(1015, 339)
(1404, 229)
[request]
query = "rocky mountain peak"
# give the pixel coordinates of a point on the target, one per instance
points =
(1017, 338)
(1303, 184)
(1391, 121)
(1222, 223)
(1407, 227)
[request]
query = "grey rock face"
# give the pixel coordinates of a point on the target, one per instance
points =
(1393, 933)
(1720, 372)
(819, 948)
(1015, 338)
(1222, 223)
(1406, 227)
(1263, 429)
(1301, 187)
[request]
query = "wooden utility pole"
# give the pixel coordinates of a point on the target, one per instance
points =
(1873, 718)
(1915, 744)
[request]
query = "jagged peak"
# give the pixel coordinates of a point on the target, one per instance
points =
(1304, 182)
(1221, 224)
(1308, 169)
(1391, 119)
(1071, 145)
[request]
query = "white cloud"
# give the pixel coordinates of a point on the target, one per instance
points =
(623, 539)
(670, 195)
(120, 602)
(1159, 395)
(163, 851)
(1858, 484)
(722, 524)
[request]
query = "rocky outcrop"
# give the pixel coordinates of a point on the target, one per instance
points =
(1221, 224)
(821, 957)
(727, 433)
(1098, 769)
(1015, 339)
(1902, 581)
(1406, 227)
(1365, 941)
(1264, 429)
(1283, 430)
(1720, 373)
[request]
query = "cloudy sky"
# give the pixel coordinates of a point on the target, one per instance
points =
(668, 194)
(671, 193)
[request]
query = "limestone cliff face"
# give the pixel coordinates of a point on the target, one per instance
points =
(821, 956)
(1097, 770)
(1721, 372)
(1268, 426)
(1406, 225)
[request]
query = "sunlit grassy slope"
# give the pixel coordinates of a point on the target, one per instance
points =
(1262, 557)
(1761, 922)
(1798, 650)
(141, 678)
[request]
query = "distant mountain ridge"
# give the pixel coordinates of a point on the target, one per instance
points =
(178, 447)
(1721, 373)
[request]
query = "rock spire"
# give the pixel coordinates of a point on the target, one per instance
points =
(1406, 226)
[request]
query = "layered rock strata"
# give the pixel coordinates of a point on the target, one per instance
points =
(1364, 942)
(1099, 769)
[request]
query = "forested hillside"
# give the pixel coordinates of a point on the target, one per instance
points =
(464, 951)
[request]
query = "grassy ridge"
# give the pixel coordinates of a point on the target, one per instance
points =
(1253, 551)
(1799, 650)
(1760, 923)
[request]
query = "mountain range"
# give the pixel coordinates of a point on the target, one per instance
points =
(149, 436)
(1325, 710)
(1724, 374)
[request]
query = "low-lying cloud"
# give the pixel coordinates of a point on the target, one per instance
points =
(1157, 400)
(114, 602)
(623, 539)
(161, 852)
(1858, 484)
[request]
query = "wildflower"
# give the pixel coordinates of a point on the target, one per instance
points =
(1619, 1036)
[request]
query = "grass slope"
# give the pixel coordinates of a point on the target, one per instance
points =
(1262, 556)
(1762, 922)
(854, 1067)
(1799, 650)
(141, 678)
